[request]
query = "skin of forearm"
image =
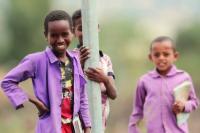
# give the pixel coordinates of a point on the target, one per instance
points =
(32, 100)
(110, 87)
(87, 130)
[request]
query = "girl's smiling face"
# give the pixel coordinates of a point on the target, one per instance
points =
(163, 55)
(59, 36)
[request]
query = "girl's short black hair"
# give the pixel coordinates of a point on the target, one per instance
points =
(76, 15)
(56, 15)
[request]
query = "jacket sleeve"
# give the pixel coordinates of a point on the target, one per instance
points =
(193, 101)
(137, 113)
(9, 84)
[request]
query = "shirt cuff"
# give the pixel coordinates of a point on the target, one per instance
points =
(188, 107)
(111, 74)
(18, 101)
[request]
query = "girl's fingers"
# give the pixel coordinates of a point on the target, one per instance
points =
(85, 58)
(85, 50)
(83, 54)
(82, 47)
(91, 69)
(90, 75)
(93, 79)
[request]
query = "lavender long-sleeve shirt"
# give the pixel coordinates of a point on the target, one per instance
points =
(154, 100)
(43, 69)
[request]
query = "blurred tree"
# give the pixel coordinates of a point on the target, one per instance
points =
(25, 25)
(188, 44)
(188, 38)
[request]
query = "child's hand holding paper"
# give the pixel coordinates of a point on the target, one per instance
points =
(178, 107)
(181, 95)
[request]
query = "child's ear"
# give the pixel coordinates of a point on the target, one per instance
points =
(150, 57)
(45, 34)
(176, 55)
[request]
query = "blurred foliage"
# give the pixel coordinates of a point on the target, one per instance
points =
(188, 38)
(188, 44)
(25, 26)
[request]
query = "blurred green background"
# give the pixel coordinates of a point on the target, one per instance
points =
(126, 29)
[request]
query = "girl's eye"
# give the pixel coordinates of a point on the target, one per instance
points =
(65, 34)
(156, 55)
(79, 28)
(53, 35)
(166, 54)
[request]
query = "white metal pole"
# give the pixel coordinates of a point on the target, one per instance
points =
(91, 40)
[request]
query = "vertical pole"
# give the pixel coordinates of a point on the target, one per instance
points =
(90, 39)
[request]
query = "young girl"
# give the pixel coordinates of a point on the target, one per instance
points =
(154, 99)
(57, 77)
(103, 75)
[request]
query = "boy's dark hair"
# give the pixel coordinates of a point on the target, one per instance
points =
(162, 39)
(76, 15)
(56, 15)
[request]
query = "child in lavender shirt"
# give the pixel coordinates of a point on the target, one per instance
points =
(154, 99)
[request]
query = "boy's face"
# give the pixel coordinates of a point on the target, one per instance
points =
(59, 35)
(78, 30)
(163, 56)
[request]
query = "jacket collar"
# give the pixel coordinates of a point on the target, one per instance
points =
(52, 56)
(173, 71)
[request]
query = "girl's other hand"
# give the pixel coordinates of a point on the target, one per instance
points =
(42, 109)
(97, 75)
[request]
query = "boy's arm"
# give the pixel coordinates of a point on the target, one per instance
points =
(107, 79)
(193, 101)
(23, 71)
(42, 109)
(110, 85)
(87, 130)
(137, 113)
(98, 76)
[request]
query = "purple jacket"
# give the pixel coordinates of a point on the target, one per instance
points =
(43, 69)
(154, 99)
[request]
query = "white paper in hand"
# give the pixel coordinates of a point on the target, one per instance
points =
(181, 93)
